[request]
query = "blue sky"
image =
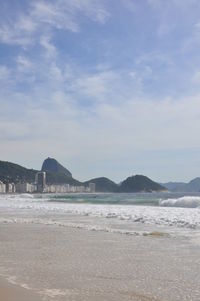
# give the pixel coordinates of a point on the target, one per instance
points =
(107, 87)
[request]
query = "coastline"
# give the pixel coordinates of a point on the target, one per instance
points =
(12, 292)
(63, 263)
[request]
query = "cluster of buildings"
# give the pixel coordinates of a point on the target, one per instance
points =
(40, 186)
(7, 188)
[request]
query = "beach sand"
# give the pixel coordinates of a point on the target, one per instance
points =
(11, 292)
(66, 264)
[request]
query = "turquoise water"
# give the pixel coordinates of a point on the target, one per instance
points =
(158, 209)
(139, 199)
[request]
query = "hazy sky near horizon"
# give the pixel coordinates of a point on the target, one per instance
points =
(107, 87)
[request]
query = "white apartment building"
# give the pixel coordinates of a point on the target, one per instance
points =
(67, 188)
(2, 187)
(57, 188)
(25, 188)
(10, 188)
(92, 187)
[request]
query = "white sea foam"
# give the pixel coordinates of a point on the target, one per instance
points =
(50, 222)
(164, 215)
(186, 201)
(52, 293)
(13, 280)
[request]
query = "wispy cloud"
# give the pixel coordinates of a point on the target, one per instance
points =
(43, 16)
(97, 86)
(4, 73)
(196, 77)
(50, 49)
(54, 15)
(108, 82)
(24, 64)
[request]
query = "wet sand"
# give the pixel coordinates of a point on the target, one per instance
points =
(10, 292)
(66, 264)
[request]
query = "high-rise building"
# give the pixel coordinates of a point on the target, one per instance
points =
(92, 187)
(40, 180)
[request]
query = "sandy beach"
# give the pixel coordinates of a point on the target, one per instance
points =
(63, 263)
(10, 292)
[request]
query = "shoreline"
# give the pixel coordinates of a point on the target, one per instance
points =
(64, 263)
(13, 292)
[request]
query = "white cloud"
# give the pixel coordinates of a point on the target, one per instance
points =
(24, 64)
(56, 125)
(196, 77)
(133, 125)
(54, 105)
(174, 15)
(180, 4)
(26, 24)
(43, 16)
(19, 31)
(10, 35)
(154, 57)
(130, 5)
(13, 131)
(56, 73)
(53, 15)
(93, 9)
(197, 25)
(146, 124)
(51, 50)
(4, 72)
(97, 85)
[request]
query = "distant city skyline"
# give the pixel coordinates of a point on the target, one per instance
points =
(108, 88)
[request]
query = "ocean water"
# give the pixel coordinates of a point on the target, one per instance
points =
(124, 213)
(129, 246)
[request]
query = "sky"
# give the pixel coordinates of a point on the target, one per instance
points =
(107, 87)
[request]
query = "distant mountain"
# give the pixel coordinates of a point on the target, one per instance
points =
(139, 183)
(52, 165)
(136, 183)
(103, 185)
(10, 172)
(174, 186)
(58, 174)
(192, 186)
(60, 178)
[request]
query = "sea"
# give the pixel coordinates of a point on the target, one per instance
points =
(136, 246)
(131, 214)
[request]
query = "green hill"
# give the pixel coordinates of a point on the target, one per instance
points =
(57, 174)
(103, 184)
(139, 183)
(60, 178)
(10, 172)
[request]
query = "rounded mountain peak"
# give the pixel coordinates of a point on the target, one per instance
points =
(52, 165)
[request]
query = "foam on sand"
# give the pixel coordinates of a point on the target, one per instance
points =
(10, 291)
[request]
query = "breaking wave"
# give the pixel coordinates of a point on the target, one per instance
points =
(185, 202)
(164, 214)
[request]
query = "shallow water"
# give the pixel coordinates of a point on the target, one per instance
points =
(102, 246)
(63, 263)
(175, 211)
